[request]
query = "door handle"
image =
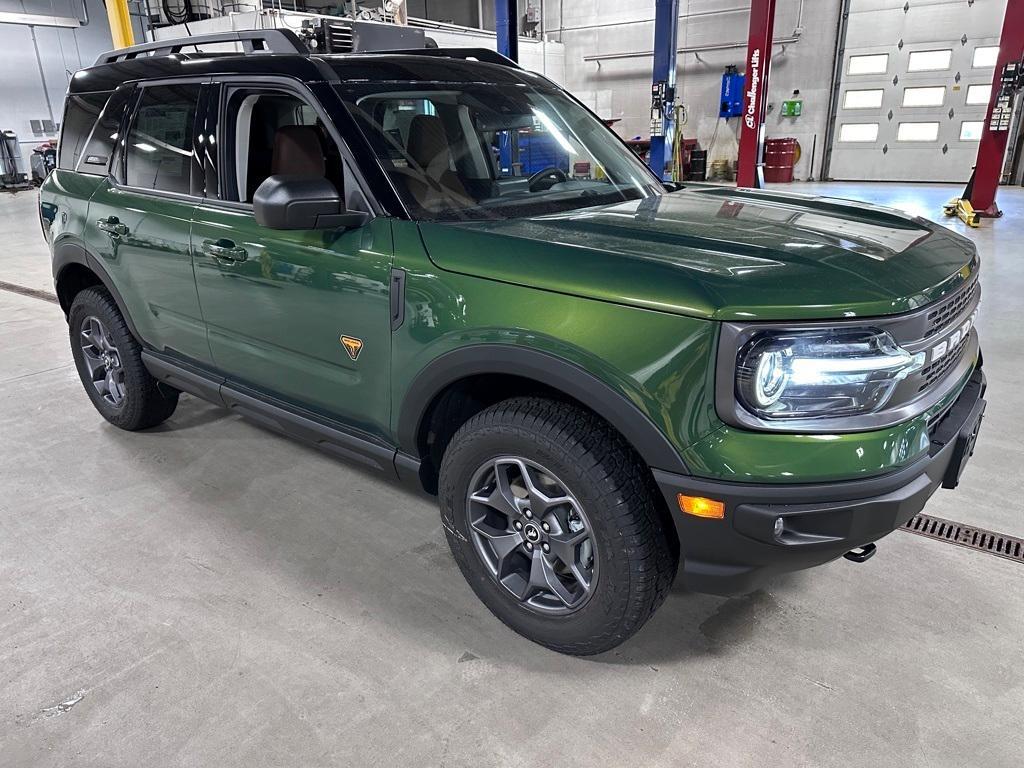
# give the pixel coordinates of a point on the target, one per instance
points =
(225, 250)
(112, 226)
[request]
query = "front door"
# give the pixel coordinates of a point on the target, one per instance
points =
(139, 220)
(302, 316)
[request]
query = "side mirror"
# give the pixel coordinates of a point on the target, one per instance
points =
(302, 202)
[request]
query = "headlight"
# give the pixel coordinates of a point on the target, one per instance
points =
(806, 375)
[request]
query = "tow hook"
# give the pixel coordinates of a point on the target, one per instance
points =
(861, 554)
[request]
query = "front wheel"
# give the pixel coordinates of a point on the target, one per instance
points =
(552, 520)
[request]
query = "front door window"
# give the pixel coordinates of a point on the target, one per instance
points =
(270, 132)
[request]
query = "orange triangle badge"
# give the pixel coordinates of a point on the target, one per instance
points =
(352, 345)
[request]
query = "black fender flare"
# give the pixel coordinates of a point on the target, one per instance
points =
(542, 367)
(66, 253)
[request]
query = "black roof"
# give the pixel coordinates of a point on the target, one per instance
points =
(289, 58)
(106, 77)
(406, 68)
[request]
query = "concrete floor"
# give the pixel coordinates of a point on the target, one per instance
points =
(210, 594)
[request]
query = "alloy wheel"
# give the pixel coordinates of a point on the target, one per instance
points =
(103, 361)
(532, 534)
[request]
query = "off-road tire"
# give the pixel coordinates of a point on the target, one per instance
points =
(146, 402)
(636, 556)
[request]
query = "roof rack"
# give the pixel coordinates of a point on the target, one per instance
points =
(480, 54)
(252, 40)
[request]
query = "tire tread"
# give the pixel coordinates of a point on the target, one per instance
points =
(612, 468)
(148, 402)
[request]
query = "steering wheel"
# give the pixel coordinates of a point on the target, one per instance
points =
(553, 175)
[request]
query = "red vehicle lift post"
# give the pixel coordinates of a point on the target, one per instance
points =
(749, 171)
(981, 189)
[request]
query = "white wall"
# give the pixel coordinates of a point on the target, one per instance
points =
(543, 56)
(621, 88)
(464, 12)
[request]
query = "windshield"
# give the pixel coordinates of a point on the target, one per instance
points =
(458, 151)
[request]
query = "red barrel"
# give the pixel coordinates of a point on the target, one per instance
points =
(780, 155)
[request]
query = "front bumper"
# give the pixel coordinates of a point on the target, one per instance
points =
(822, 521)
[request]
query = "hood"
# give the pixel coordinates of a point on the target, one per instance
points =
(719, 253)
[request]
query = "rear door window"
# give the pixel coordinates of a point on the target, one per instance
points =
(80, 115)
(159, 148)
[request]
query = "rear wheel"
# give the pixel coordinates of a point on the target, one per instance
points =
(109, 362)
(552, 520)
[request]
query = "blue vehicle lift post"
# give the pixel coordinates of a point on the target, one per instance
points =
(506, 26)
(663, 88)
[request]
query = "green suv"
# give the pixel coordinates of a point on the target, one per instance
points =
(442, 267)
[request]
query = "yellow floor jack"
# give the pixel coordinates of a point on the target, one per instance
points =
(961, 206)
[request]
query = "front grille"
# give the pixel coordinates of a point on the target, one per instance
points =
(938, 419)
(948, 310)
(935, 371)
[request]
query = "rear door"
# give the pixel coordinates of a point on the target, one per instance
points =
(140, 216)
(302, 316)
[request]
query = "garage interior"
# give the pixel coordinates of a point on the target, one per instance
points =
(209, 593)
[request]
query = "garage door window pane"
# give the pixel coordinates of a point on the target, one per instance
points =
(930, 96)
(978, 94)
(918, 132)
(858, 132)
(869, 99)
(929, 61)
(970, 130)
(986, 56)
(875, 64)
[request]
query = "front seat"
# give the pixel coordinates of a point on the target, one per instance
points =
(298, 152)
(428, 147)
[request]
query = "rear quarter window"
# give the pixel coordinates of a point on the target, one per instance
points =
(80, 115)
(102, 144)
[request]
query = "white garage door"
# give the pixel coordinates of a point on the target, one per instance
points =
(915, 84)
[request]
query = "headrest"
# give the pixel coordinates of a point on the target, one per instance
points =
(297, 151)
(428, 143)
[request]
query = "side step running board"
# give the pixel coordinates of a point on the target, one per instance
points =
(303, 426)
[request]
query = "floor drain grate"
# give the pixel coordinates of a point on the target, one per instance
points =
(33, 292)
(998, 544)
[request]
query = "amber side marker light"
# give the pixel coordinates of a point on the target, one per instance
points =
(698, 506)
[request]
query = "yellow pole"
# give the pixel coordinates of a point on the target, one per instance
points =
(120, 23)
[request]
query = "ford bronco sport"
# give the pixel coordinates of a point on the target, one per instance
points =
(443, 267)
